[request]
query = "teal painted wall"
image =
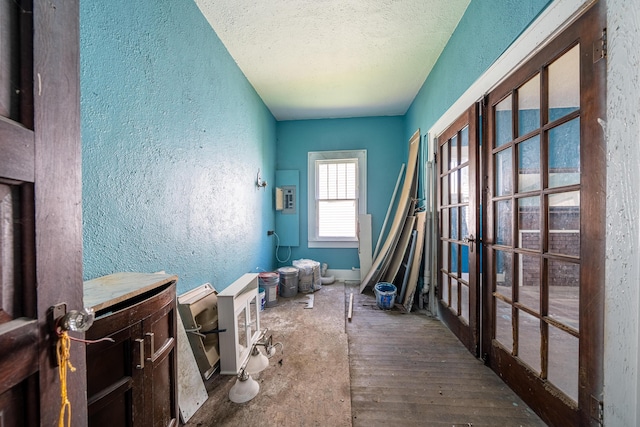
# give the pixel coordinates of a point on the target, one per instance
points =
(383, 139)
(486, 30)
(173, 136)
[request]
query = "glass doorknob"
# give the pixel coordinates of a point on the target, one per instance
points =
(77, 320)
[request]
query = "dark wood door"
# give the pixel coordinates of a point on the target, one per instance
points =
(40, 206)
(544, 226)
(458, 249)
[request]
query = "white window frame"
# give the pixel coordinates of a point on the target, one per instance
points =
(314, 241)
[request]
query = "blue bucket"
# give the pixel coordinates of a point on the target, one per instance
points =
(385, 295)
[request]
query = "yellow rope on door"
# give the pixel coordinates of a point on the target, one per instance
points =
(63, 355)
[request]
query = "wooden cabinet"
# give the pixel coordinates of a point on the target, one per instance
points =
(132, 381)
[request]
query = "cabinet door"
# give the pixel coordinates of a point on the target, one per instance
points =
(114, 378)
(160, 375)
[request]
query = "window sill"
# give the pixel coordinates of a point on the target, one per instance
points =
(333, 244)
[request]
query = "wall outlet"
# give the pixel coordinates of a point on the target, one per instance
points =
(270, 232)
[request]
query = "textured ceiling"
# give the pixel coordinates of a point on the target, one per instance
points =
(310, 59)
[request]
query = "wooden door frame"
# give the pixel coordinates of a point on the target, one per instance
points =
(534, 391)
(58, 193)
(468, 334)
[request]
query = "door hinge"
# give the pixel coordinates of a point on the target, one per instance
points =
(600, 47)
(597, 410)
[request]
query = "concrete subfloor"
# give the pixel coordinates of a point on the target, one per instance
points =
(307, 381)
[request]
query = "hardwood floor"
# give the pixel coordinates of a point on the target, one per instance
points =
(409, 369)
(383, 368)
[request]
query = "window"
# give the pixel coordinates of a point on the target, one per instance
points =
(337, 195)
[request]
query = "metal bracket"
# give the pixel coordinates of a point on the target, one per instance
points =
(600, 47)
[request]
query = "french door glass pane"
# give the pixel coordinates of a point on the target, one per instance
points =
(464, 222)
(445, 157)
(464, 145)
(453, 155)
(529, 340)
(454, 224)
(529, 164)
(529, 223)
(529, 277)
(529, 106)
(564, 292)
(504, 172)
(504, 327)
(454, 295)
(564, 223)
(464, 185)
(564, 84)
(504, 132)
(503, 277)
(445, 288)
(454, 259)
(503, 224)
(564, 154)
(445, 256)
(464, 302)
(444, 216)
(445, 189)
(453, 187)
(563, 361)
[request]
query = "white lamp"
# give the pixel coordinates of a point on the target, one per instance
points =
(257, 362)
(245, 388)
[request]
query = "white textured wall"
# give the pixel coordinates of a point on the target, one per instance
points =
(622, 298)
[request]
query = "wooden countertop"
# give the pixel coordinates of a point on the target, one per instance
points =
(105, 291)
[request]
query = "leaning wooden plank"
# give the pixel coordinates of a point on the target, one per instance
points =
(401, 250)
(416, 263)
(364, 243)
(407, 264)
(386, 217)
(401, 213)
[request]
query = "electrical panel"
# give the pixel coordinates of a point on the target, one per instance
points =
(289, 199)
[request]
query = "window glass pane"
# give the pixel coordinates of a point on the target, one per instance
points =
(454, 224)
(503, 277)
(564, 223)
(564, 154)
(504, 327)
(503, 222)
(529, 279)
(529, 340)
(464, 145)
(453, 154)
(563, 361)
(464, 184)
(529, 106)
(504, 172)
(564, 292)
(337, 218)
(504, 133)
(529, 223)
(564, 84)
(529, 164)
